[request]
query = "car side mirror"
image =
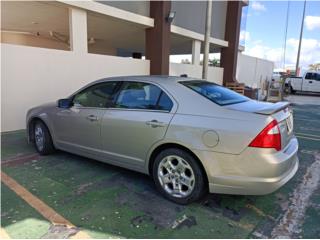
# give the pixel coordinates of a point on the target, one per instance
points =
(64, 103)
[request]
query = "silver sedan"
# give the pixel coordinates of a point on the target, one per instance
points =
(190, 135)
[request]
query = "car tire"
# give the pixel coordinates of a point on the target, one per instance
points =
(42, 139)
(165, 179)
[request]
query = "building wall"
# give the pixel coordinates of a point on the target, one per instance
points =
(138, 7)
(33, 76)
(191, 15)
(102, 47)
(32, 40)
(99, 47)
(215, 74)
(254, 72)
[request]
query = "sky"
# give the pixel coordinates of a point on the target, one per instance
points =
(264, 32)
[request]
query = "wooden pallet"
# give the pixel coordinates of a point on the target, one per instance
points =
(237, 87)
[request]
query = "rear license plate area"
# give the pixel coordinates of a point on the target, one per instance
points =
(289, 123)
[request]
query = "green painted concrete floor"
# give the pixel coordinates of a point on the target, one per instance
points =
(110, 202)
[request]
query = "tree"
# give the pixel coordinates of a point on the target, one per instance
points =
(212, 62)
(185, 61)
(315, 66)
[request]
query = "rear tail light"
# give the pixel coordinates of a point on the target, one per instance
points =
(269, 137)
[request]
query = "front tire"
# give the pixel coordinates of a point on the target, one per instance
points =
(42, 139)
(178, 176)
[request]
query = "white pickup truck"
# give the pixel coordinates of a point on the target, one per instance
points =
(310, 82)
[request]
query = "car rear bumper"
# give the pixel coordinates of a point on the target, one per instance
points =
(254, 172)
(252, 185)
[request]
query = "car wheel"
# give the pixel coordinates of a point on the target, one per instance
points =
(42, 139)
(178, 176)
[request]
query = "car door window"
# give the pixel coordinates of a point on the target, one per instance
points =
(140, 95)
(98, 96)
(165, 102)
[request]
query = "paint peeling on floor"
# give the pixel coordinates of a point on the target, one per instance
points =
(290, 225)
(187, 221)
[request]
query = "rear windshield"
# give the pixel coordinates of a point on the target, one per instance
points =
(216, 93)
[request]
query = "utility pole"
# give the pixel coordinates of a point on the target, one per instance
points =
(207, 41)
(285, 37)
(300, 39)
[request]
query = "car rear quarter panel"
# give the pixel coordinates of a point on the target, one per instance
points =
(235, 130)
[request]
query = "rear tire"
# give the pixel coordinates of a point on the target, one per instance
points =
(42, 139)
(178, 176)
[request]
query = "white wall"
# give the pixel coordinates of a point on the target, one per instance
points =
(32, 40)
(215, 74)
(253, 71)
(31, 76)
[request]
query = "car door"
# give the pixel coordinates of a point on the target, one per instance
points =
(309, 82)
(78, 128)
(316, 87)
(139, 118)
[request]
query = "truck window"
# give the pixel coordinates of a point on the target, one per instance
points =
(311, 76)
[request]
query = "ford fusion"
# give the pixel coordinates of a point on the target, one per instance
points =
(192, 136)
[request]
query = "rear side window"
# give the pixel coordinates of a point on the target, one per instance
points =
(165, 102)
(216, 93)
(140, 95)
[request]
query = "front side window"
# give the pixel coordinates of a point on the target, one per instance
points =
(99, 96)
(139, 95)
(216, 93)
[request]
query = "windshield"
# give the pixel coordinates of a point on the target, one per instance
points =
(216, 93)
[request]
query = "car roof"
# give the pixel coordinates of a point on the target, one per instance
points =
(150, 78)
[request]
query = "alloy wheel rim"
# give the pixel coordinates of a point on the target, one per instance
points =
(39, 137)
(176, 176)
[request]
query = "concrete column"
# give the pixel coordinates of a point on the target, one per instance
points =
(196, 51)
(78, 30)
(229, 55)
(158, 38)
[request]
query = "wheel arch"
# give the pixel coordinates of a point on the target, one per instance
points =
(31, 124)
(164, 146)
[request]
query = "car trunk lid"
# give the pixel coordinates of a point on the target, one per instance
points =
(279, 111)
(264, 108)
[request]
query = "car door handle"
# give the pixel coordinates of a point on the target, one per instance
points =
(155, 123)
(92, 118)
(310, 81)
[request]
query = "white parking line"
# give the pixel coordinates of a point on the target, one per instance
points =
(308, 135)
(309, 138)
(46, 211)
(291, 222)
